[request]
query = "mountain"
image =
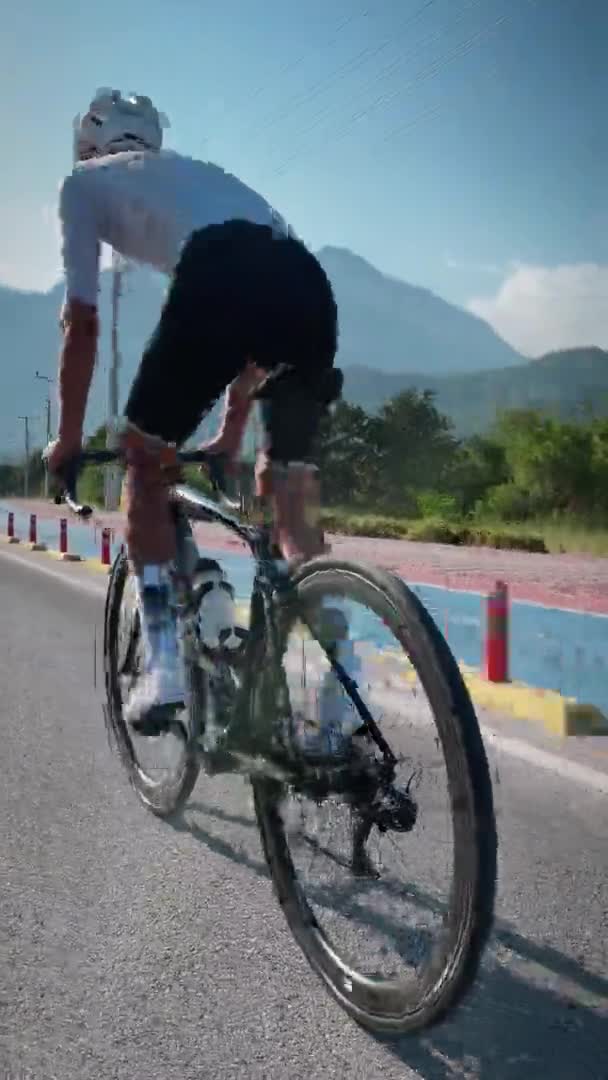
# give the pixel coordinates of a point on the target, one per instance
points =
(30, 340)
(388, 325)
(570, 383)
(390, 332)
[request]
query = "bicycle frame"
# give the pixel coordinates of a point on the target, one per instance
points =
(191, 505)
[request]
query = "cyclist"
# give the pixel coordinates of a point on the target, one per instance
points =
(248, 307)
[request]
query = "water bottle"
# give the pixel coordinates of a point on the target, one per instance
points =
(339, 717)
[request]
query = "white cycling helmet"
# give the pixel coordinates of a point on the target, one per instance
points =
(114, 123)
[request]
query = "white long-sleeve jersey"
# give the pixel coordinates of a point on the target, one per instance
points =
(146, 205)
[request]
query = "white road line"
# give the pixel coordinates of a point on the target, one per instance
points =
(563, 767)
(41, 567)
(591, 779)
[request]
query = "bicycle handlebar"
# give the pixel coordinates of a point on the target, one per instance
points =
(71, 470)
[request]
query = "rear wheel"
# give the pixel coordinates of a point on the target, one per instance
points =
(339, 914)
(162, 770)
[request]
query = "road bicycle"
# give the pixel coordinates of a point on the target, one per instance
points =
(246, 713)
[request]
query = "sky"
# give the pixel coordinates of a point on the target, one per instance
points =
(458, 144)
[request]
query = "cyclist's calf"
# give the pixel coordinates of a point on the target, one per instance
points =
(293, 403)
(292, 491)
(150, 531)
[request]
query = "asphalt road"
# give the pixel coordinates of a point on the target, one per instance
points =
(130, 950)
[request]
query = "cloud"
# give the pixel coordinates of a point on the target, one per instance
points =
(538, 309)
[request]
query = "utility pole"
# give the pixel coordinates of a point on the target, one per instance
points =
(49, 436)
(112, 476)
(26, 471)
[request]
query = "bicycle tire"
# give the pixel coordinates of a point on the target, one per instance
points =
(165, 798)
(378, 1007)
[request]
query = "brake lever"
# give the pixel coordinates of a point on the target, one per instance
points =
(68, 476)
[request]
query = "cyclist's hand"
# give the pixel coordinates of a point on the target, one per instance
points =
(225, 445)
(58, 452)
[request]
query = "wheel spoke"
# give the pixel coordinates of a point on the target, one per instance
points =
(368, 876)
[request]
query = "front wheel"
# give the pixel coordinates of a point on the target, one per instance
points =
(339, 914)
(163, 770)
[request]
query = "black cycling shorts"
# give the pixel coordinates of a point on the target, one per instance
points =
(240, 292)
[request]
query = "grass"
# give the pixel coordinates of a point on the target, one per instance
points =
(555, 536)
(575, 537)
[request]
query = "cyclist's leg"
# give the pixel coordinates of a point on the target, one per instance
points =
(297, 341)
(286, 473)
(301, 331)
(192, 355)
(188, 362)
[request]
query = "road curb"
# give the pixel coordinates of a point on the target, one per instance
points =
(97, 565)
(64, 556)
(558, 715)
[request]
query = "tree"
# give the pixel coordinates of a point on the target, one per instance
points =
(11, 480)
(416, 447)
(348, 456)
(91, 481)
(550, 459)
(479, 466)
(599, 464)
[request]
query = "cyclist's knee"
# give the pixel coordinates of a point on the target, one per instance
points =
(294, 404)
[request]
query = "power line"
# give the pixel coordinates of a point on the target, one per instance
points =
(428, 73)
(346, 68)
(292, 64)
(410, 55)
(435, 67)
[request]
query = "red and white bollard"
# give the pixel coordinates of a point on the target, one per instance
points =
(63, 543)
(497, 635)
(106, 556)
(34, 545)
(10, 529)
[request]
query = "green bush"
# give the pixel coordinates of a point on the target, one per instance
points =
(487, 536)
(519, 542)
(436, 531)
(374, 525)
(197, 479)
(91, 485)
(505, 502)
(437, 505)
(430, 530)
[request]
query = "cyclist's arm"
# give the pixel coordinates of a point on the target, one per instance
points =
(76, 363)
(80, 252)
(237, 405)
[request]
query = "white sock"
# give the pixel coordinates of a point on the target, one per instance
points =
(158, 624)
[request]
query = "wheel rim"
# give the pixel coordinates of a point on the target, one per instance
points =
(158, 762)
(342, 921)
